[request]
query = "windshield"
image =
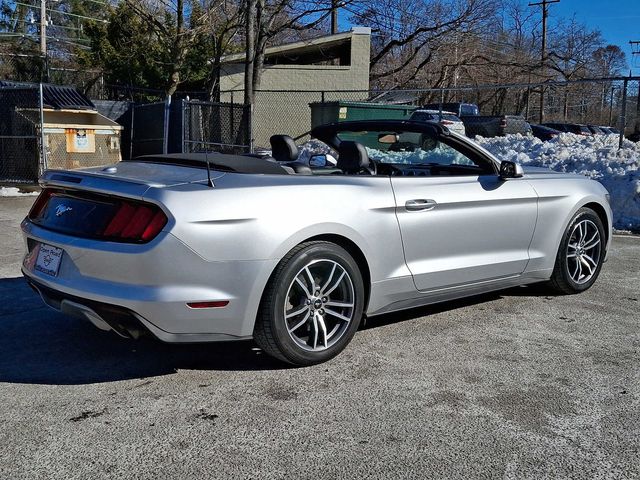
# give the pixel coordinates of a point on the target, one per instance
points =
(468, 109)
(407, 148)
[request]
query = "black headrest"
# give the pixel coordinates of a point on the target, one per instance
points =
(352, 157)
(283, 148)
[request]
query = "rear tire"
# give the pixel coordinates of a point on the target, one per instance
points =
(312, 305)
(580, 255)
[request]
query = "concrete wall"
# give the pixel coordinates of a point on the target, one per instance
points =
(289, 112)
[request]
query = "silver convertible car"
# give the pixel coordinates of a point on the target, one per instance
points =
(215, 247)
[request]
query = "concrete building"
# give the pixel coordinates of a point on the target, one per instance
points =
(295, 74)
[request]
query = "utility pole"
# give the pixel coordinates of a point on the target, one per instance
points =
(334, 17)
(635, 53)
(543, 58)
(43, 28)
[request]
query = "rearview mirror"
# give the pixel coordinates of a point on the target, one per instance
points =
(510, 169)
(318, 161)
(388, 138)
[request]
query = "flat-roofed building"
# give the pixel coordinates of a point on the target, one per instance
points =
(328, 63)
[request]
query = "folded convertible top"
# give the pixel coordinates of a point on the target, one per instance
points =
(217, 161)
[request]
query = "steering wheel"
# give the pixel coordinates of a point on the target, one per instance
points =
(372, 169)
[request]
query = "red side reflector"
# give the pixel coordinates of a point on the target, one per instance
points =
(215, 304)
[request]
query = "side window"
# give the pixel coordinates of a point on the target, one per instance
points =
(438, 153)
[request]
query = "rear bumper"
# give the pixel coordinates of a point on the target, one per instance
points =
(135, 289)
(121, 320)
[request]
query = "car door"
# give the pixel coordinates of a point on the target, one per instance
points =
(459, 229)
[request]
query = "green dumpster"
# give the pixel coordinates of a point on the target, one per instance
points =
(329, 112)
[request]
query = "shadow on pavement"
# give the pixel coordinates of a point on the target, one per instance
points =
(41, 346)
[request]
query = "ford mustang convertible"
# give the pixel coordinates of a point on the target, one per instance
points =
(292, 253)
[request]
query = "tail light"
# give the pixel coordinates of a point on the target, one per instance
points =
(85, 214)
(446, 122)
(135, 221)
(503, 123)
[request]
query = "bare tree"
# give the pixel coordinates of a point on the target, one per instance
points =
(270, 20)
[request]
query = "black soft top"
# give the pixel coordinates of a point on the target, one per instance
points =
(217, 161)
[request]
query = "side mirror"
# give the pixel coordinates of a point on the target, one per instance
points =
(510, 170)
(318, 161)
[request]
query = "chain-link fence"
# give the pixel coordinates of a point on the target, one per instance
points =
(20, 134)
(148, 135)
(222, 127)
(44, 126)
(603, 102)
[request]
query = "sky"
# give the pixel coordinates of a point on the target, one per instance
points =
(618, 20)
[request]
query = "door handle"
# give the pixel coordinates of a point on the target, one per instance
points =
(420, 204)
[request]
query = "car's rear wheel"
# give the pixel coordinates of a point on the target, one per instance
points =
(581, 253)
(312, 305)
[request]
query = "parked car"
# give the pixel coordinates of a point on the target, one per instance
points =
(204, 248)
(544, 133)
(610, 130)
(574, 128)
(448, 119)
(495, 126)
(634, 137)
(458, 108)
(596, 130)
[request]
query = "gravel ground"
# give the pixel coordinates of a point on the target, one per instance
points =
(517, 384)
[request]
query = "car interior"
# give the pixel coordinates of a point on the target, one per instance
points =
(385, 154)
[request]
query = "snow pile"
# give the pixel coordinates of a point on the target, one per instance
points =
(15, 192)
(597, 157)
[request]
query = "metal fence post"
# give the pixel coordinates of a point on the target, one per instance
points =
(183, 108)
(132, 130)
(43, 153)
(611, 105)
(636, 127)
(251, 128)
(165, 139)
(623, 113)
(232, 123)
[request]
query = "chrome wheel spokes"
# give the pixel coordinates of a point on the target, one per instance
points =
(319, 305)
(583, 251)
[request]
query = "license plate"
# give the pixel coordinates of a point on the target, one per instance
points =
(48, 260)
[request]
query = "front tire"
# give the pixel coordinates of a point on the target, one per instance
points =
(312, 305)
(581, 254)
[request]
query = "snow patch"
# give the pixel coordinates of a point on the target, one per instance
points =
(15, 192)
(597, 157)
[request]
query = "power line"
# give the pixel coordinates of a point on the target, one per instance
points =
(62, 12)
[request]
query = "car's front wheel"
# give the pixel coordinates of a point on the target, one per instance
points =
(312, 305)
(581, 253)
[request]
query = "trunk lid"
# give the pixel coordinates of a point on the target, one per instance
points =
(141, 173)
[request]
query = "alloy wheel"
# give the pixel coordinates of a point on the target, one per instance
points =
(319, 305)
(583, 251)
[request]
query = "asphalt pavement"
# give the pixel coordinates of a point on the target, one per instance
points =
(516, 384)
